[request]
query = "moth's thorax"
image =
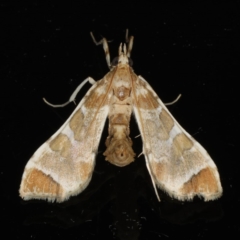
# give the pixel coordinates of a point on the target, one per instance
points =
(119, 145)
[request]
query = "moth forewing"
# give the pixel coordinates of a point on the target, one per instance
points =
(63, 165)
(177, 162)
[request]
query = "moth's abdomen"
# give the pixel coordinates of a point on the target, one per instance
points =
(119, 145)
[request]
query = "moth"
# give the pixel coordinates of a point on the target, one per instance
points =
(62, 167)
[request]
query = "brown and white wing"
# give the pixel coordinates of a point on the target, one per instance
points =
(177, 163)
(63, 165)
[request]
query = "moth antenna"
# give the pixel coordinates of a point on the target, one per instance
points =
(105, 48)
(174, 101)
(74, 94)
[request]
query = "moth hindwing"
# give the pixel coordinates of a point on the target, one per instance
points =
(62, 167)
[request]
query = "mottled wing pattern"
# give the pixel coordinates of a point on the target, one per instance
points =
(63, 166)
(178, 163)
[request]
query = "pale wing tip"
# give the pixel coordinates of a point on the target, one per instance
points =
(46, 196)
(50, 197)
(206, 196)
(205, 184)
(212, 196)
(32, 196)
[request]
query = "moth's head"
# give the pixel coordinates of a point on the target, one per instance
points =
(123, 56)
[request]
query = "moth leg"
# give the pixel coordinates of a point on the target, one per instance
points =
(174, 101)
(74, 94)
(105, 48)
(137, 136)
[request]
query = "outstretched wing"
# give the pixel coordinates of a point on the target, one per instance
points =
(63, 165)
(177, 163)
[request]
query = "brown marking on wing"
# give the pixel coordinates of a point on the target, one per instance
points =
(159, 170)
(95, 98)
(151, 127)
(36, 182)
(203, 182)
(166, 120)
(145, 99)
(182, 144)
(76, 124)
(85, 170)
(62, 144)
(147, 102)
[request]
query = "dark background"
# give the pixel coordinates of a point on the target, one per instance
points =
(190, 48)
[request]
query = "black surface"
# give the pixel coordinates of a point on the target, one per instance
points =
(190, 48)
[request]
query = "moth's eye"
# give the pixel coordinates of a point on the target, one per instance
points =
(130, 62)
(114, 61)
